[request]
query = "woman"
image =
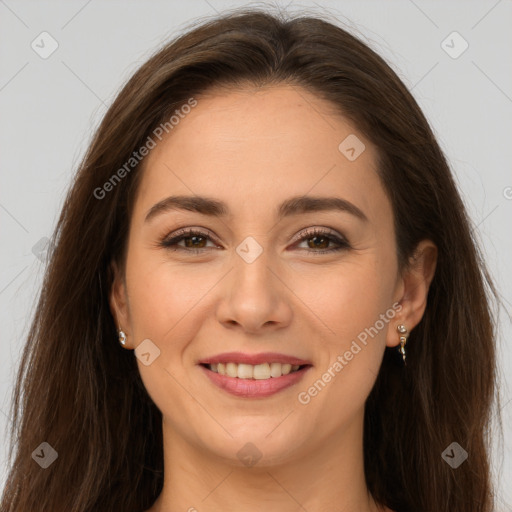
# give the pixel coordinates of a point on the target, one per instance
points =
(267, 225)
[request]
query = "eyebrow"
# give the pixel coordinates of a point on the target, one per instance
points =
(292, 206)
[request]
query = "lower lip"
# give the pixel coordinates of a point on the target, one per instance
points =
(253, 388)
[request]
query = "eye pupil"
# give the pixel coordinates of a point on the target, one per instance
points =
(325, 240)
(194, 238)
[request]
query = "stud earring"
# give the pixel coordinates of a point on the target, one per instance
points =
(122, 337)
(403, 340)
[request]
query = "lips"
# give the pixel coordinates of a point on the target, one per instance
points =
(251, 388)
(254, 359)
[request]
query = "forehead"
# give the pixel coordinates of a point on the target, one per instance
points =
(256, 146)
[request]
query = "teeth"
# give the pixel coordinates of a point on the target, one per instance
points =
(286, 369)
(244, 371)
(248, 371)
(275, 369)
(259, 371)
(232, 370)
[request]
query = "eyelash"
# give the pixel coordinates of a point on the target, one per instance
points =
(171, 243)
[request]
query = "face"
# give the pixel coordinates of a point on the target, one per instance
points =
(318, 284)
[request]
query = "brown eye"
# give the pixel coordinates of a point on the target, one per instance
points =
(318, 241)
(322, 239)
(194, 241)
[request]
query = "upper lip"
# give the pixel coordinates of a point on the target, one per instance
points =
(253, 359)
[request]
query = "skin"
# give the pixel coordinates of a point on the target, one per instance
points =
(254, 148)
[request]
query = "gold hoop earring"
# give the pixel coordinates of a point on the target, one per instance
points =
(403, 340)
(122, 337)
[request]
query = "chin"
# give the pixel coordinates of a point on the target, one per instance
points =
(256, 447)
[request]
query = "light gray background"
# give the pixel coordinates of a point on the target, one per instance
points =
(49, 108)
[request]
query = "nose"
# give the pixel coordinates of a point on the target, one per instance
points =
(255, 297)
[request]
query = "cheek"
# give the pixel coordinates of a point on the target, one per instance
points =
(165, 306)
(347, 297)
(163, 295)
(354, 305)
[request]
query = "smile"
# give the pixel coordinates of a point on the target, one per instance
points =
(254, 381)
(258, 371)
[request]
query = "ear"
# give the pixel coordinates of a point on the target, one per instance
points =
(118, 300)
(413, 289)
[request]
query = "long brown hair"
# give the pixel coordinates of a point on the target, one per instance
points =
(81, 393)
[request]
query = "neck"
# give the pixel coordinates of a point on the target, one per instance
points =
(329, 476)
